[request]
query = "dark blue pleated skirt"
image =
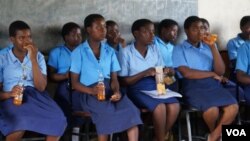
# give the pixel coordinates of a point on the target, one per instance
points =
(110, 117)
(142, 100)
(232, 88)
(205, 93)
(247, 94)
(69, 104)
(38, 113)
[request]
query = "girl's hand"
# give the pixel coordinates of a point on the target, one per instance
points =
(169, 71)
(115, 97)
(150, 72)
(16, 90)
(32, 50)
(93, 90)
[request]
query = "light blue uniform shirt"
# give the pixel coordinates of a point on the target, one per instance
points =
(233, 45)
(11, 70)
(132, 62)
(6, 49)
(87, 66)
(195, 58)
(166, 50)
(60, 59)
(243, 58)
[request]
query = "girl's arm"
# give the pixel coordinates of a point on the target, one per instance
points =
(56, 77)
(6, 95)
(130, 80)
(242, 77)
(40, 80)
(80, 87)
(196, 74)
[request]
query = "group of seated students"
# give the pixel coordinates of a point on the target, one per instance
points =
(127, 72)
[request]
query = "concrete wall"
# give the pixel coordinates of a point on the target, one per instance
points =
(224, 17)
(46, 17)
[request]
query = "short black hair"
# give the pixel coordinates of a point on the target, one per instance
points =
(110, 23)
(203, 20)
(88, 21)
(166, 23)
(17, 25)
(244, 20)
(140, 23)
(192, 19)
(68, 27)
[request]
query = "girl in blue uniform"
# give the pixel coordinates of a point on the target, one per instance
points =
(168, 31)
(59, 64)
(38, 112)
(138, 61)
(235, 43)
(113, 36)
(91, 59)
(201, 67)
(243, 70)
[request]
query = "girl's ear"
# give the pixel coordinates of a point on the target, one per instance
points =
(12, 39)
(136, 33)
(88, 30)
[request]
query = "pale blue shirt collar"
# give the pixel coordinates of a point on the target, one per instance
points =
(15, 59)
(186, 44)
(158, 39)
(240, 40)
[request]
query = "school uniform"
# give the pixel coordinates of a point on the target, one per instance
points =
(242, 64)
(166, 51)
(118, 48)
(6, 49)
(109, 117)
(38, 112)
(200, 93)
(60, 60)
(132, 63)
(233, 46)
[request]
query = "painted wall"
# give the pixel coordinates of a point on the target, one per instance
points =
(46, 17)
(224, 17)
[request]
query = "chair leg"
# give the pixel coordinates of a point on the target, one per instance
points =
(179, 129)
(111, 137)
(188, 126)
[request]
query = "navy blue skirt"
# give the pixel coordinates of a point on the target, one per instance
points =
(38, 113)
(247, 94)
(110, 117)
(69, 104)
(142, 100)
(205, 93)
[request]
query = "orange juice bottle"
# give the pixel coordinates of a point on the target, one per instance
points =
(19, 98)
(101, 88)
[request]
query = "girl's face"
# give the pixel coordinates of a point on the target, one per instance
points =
(170, 34)
(113, 34)
(206, 28)
(74, 38)
(22, 38)
(145, 34)
(195, 32)
(97, 30)
(246, 29)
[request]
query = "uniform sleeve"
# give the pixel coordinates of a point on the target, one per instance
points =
(242, 59)
(115, 66)
(160, 58)
(124, 63)
(42, 64)
(1, 69)
(179, 57)
(231, 49)
(53, 59)
(75, 66)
